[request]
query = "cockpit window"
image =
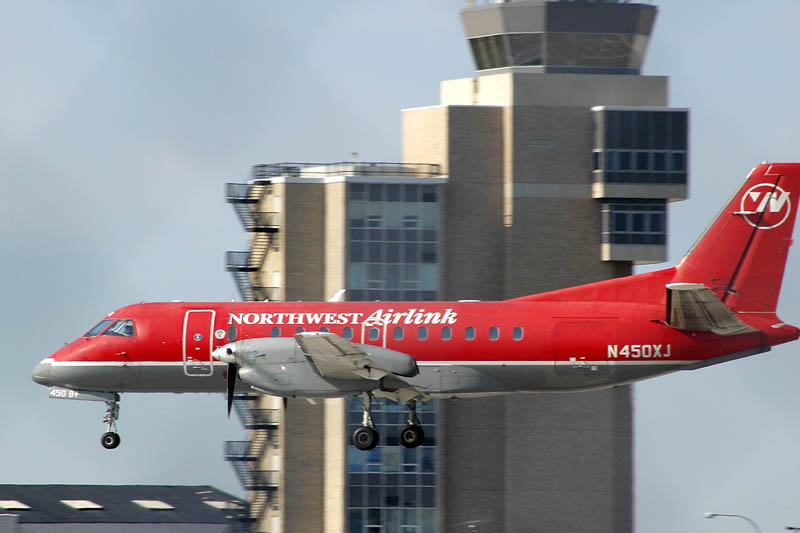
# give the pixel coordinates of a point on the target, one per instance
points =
(97, 329)
(121, 328)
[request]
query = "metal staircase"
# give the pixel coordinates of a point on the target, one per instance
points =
(245, 456)
(263, 226)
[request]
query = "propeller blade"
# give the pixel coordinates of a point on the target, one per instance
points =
(232, 371)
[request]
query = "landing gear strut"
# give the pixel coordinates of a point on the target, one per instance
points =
(110, 438)
(366, 437)
(412, 435)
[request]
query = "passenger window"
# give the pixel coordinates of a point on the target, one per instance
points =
(494, 333)
(301, 329)
(324, 329)
(422, 333)
(518, 333)
(398, 333)
(275, 332)
(97, 329)
(374, 333)
(347, 333)
(447, 333)
(469, 333)
(121, 328)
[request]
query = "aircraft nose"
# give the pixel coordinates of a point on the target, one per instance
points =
(41, 372)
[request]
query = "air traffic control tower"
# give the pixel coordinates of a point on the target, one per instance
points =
(553, 165)
(575, 155)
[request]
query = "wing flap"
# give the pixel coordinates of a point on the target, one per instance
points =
(691, 306)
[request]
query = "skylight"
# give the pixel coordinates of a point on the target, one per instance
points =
(155, 505)
(13, 505)
(222, 505)
(82, 505)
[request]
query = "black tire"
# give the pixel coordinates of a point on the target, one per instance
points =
(412, 436)
(365, 438)
(110, 440)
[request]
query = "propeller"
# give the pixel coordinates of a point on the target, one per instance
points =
(233, 370)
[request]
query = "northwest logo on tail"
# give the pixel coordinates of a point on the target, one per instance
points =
(765, 206)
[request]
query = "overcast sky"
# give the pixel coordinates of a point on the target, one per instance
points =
(121, 121)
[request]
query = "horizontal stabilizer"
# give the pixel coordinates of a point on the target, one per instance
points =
(691, 306)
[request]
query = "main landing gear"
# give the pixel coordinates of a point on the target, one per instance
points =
(366, 437)
(412, 435)
(110, 438)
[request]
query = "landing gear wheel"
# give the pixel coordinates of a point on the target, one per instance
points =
(412, 436)
(110, 440)
(365, 438)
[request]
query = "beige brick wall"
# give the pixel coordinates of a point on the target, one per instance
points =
(474, 204)
(335, 238)
(425, 136)
(304, 257)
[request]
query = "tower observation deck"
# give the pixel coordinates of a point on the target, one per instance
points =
(570, 37)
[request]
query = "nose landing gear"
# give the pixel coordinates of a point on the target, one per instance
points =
(110, 438)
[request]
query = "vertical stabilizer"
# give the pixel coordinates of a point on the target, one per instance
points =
(742, 256)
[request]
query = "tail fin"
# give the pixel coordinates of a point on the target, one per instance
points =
(742, 255)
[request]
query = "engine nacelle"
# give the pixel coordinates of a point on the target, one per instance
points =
(398, 363)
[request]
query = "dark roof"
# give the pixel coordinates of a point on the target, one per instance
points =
(188, 502)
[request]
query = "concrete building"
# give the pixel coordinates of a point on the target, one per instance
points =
(552, 166)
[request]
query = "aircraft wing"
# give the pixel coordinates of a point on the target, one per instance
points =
(335, 357)
(691, 306)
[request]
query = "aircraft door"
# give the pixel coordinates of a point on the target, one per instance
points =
(580, 348)
(198, 339)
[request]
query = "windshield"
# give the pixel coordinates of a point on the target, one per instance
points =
(121, 328)
(97, 329)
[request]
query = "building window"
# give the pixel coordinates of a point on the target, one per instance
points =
(391, 487)
(635, 222)
(393, 246)
(641, 146)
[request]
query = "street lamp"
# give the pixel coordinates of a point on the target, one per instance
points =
(714, 515)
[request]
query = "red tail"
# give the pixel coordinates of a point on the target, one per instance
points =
(742, 256)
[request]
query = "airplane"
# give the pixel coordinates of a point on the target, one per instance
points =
(717, 304)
